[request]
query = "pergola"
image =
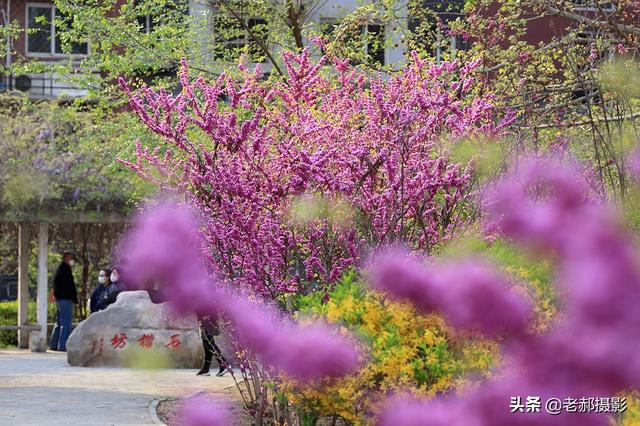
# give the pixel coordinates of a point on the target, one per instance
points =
(34, 336)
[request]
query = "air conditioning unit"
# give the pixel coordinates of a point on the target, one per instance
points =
(22, 83)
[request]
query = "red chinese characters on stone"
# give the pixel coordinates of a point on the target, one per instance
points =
(174, 342)
(119, 341)
(146, 340)
(97, 347)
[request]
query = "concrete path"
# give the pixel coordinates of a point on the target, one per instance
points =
(42, 389)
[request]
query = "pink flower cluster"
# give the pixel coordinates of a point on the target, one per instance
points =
(162, 252)
(201, 410)
(470, 294)
(545, 205)
(304, 353)
(377, 144)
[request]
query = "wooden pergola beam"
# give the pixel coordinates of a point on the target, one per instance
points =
(25, 327)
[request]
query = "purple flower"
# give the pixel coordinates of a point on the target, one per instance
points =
(162, 252)
(305, 353)
(468, 293)
(245, 179)
(544, 204)
(203, 410)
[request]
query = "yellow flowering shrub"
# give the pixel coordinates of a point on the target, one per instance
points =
(406, 351)
(631, 416)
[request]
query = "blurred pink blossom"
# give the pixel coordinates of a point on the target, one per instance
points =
(470, 294)
(201, 410)
(621, 49)
(545, 205)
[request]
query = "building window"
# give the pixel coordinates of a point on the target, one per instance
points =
(367, 38)
(149, 15)
(232, 39)
(375, 43)
(42, 22)
(145, 23)
(447, 43)
(12, 290)
(327, 29)
(429, 23)
(593, 5)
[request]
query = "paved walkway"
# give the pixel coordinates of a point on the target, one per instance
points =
(42, 389)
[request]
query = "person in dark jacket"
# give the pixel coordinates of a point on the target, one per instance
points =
(209, 329)
(64, 292)
(103, 283)
(113, 289)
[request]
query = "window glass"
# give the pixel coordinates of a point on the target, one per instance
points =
(259, 29)
(231, 39)
(61, 23)
(39, 21)
(375, 43)
(228, 38)
(12, 290)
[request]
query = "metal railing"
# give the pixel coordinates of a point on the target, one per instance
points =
(41, 86)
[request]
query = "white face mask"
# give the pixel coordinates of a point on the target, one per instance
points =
(113, 277)
(72, 262)
(102, 279)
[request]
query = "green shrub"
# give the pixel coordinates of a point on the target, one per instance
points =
(9, 316)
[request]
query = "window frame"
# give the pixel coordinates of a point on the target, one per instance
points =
(52, 42)
(244, 42)
(149, 25)
(593, 8)
(453, 46)
(147, 28)
(364, 29)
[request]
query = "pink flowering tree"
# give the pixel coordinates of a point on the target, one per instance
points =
(246, 151)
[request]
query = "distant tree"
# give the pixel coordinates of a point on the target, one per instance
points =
(58, 160)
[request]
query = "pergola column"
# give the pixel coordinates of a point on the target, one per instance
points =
(39, 338)
(23, 283)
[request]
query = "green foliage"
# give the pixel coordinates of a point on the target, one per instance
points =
(9, 316)
(58, 158)
(621, 77)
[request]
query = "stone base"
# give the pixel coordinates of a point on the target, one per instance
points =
(134, 332)
(37, 343)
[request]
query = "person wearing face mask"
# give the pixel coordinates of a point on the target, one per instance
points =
(64, 293)
(103, 283)
(113, 288)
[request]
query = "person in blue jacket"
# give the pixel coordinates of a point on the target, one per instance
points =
(103, 283)
(110, 293)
